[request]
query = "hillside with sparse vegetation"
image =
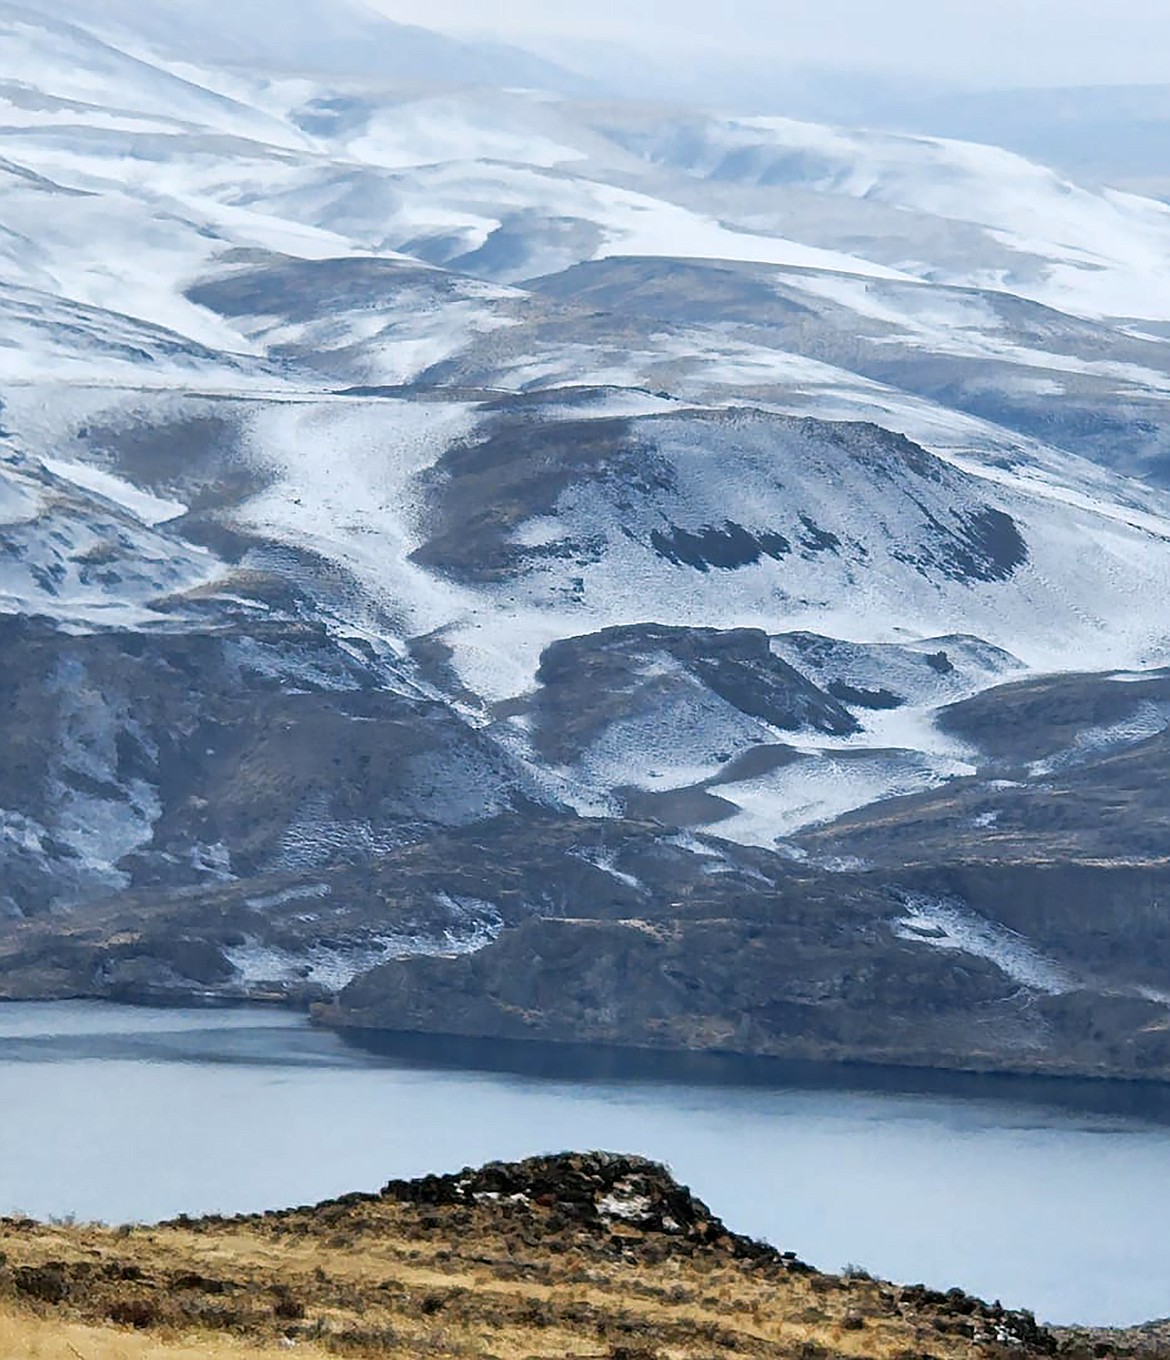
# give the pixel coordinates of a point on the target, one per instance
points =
(574, 1256)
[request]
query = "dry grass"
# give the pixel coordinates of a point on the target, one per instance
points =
(25, 1337)
(510, 1278)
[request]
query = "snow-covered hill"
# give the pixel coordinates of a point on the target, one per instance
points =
(393, 441)
(1028, 230)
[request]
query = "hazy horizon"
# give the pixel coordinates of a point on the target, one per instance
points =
(989, 44)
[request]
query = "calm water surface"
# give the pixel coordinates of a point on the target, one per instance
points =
(1048, 1197)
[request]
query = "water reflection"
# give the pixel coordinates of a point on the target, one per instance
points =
(1128, 1100)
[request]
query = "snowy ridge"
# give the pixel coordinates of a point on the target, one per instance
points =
(445, 374)
(1089, 252)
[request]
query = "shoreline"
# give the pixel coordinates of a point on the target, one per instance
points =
(555, 1060)
(891, 1141)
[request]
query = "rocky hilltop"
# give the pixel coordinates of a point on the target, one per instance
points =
(571, 1256)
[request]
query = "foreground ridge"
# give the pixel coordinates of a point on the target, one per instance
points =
(580, 1254)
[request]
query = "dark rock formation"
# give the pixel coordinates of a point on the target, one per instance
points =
(810, 969)
(589, 683)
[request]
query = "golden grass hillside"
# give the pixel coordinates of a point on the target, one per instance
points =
(585, 1255)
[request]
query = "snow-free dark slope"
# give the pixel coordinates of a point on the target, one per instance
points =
(599, 542)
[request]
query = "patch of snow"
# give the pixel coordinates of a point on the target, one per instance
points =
(347, 488)
(820, 787)
(1149, 720)
(1081, 250)
(940, 924)
(637, 224)
(843, 864)
(452, 128)
(476, 923)
(335, 964)
(21, 832)
(315, 838)
(606, 861)
(100, 816)
(213, 861)
(82, 558)
(686, 735)
(143, 505)
(298, 893)
(688, 841)
(625, 1205)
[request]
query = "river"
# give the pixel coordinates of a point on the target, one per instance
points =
(1043, 1195)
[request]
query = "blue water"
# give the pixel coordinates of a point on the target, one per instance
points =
(1046, 1197)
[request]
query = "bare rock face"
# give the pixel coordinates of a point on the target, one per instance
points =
(884, 984)
(596, 1190)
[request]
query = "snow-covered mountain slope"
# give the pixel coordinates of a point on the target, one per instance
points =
(837, 342)
(1095, 252)
(386, 455)
(86, 548)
